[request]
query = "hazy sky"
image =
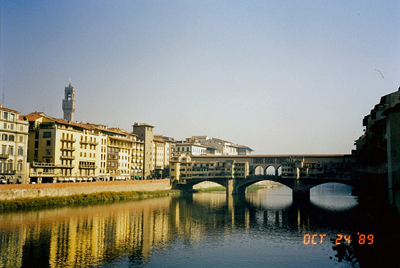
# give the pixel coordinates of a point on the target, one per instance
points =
(278, 76)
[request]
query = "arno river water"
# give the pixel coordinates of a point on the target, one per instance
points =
(264, 228)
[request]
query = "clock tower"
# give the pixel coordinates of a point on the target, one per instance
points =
(68, 104)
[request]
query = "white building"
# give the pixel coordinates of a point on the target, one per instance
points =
(222, 147)
(14, 147)
(191, 148)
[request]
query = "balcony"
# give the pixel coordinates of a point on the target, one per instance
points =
(68, 148)
(41, 164)
(94, 143)
(68, 140)
(67, 157)
(7, 172)
(49, 165)
(112, 167)
(86, 166)
(4, 156)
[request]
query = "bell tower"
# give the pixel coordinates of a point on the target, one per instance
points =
(69, 104)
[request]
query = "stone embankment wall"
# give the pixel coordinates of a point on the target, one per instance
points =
(18, 191)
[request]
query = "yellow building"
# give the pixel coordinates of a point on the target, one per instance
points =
(180, 167)
(62, 151)
(14, 146)
(124, 155)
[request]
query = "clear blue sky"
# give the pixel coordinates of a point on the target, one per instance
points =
(278, 76)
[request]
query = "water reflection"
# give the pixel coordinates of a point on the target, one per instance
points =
(206, 228)
(333, 196)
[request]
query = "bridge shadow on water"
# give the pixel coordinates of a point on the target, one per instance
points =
(298, 216)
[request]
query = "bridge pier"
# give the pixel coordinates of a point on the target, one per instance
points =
(233, 189)
(300, 196)
(229, 187)
(184, 187)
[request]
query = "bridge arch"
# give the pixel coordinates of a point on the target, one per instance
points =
(335, 184)
(241, 185)
(333, 196)
(259, 170)
(270, 171)
(188, 185)
(215, 181)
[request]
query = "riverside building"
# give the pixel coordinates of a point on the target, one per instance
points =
(378, 150)
(162, 153)
(64, 151)
(145, 134)
(14, 147)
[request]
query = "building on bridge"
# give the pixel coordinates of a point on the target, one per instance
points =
(297, 168)
(182, 168)
(236, 173)
(291, 166)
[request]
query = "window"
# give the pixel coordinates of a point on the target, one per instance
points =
(5, 115)
(11, 150)
(12, 117)
(11, 138)
(4, 137)
(20, 151)
(48, 143)
(48, 152)
(5, 125)
(36, 135)
(19, 166)
(21, 139)
(36, 144)
(46, 134)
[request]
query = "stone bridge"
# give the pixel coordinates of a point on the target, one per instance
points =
(334, 168)
(237, 186)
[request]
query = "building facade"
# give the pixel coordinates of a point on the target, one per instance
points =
(14, 147)
(378, 150)
(63, 151)
(145, 134)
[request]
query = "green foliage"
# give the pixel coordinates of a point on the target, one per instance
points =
(85, 199)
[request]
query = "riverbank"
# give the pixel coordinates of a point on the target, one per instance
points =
(35, 191)
(83, 199)
(21, 196)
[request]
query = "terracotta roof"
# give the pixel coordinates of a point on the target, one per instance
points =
(121, 138)
(8, 109)
(32, 116)
(244, 147)
(142, 125)
(69, 123)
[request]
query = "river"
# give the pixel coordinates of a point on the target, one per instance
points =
(207, 229)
